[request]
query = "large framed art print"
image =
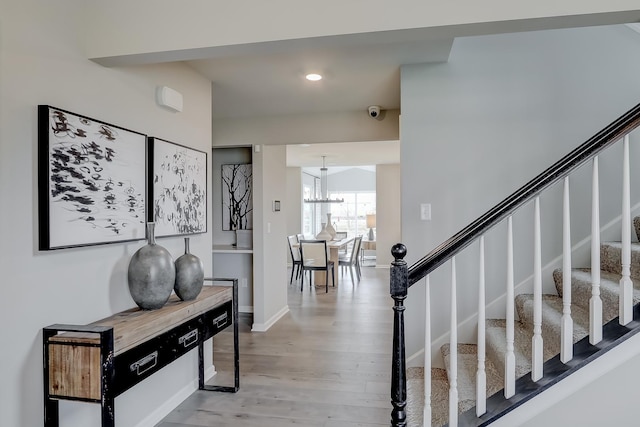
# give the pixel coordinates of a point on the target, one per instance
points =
(91, 181)
(178, 185)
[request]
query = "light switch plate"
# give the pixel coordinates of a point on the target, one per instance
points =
(425, 211)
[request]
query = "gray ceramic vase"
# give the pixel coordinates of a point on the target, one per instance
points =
(189, 275)
(151, 274)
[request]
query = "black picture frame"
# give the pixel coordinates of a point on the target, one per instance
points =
(91, 181)
(178, 188)
(237, 196)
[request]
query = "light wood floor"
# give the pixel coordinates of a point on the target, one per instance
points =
(326, 363)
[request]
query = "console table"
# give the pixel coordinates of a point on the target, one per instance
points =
(99, 361)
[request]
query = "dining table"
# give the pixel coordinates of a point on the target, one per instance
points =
(334, 247)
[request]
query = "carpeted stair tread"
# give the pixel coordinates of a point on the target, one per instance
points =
(609, 290)
(439, 396)
(467, 368)
(552, 319)
(496, 345)
(611, 258)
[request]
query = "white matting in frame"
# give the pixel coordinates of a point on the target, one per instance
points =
(91, 181)
(179, 187)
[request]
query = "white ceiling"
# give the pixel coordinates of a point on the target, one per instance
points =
(356, 73)
(271, 82)
(267, 79)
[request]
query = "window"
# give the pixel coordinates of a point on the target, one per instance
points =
(351, 216)
(308, 218)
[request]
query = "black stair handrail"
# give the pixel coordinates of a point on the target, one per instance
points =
(563, 167)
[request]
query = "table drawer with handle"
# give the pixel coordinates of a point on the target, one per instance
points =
(217, 320)
(140, 362)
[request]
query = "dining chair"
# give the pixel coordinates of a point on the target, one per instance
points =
(295, 256)
(352, 261)
(316, 258)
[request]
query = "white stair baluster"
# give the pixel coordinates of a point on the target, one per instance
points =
(537, 358)
(481, 375)
(595, 303)
(626, 286)
(426, 413)
(453, 354)
(510, 358)
(566, 344)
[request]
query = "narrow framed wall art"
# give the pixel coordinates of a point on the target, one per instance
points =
(178, 185)
(237, 197)
(91, 181)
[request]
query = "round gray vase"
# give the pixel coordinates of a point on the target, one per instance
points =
(151, 274)
(189, 274)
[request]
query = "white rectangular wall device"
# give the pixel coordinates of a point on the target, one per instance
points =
(169, 98)
(425, 211)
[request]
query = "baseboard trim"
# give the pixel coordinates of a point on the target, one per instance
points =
(263, 327)
(172, 403)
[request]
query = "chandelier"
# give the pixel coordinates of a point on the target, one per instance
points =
(324, 189)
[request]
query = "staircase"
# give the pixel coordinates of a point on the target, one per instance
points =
(555, 334)
(610, 261)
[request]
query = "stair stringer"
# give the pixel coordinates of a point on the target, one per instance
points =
(587, 380)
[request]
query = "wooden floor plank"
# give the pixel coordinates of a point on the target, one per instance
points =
(326, 363)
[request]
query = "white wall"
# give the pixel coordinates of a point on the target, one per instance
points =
(41, 63)
(352, 179)
(292, 204)
(388, 212)
(270, 293)
(346, 126)
(498, 113)
(602, 393)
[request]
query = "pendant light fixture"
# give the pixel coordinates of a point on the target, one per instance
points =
(324, 189)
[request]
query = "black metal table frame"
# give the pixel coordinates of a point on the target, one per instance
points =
(108, 395)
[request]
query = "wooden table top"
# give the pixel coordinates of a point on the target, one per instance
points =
(133, 326)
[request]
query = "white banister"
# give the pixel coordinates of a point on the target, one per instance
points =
(566, 343)
(537, 358)
(453, 351)
(626, 286)
(595, 303)
(510, 357)
(481, 375)
(426, 412)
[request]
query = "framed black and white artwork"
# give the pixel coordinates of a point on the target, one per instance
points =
(237, 191)
(91, 181)
(178, 183)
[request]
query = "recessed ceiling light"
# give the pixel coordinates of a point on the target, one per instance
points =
(313, 77)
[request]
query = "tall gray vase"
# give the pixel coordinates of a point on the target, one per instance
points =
(151, 274)
(189, 274)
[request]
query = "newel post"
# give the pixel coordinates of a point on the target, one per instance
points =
(399, 284)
